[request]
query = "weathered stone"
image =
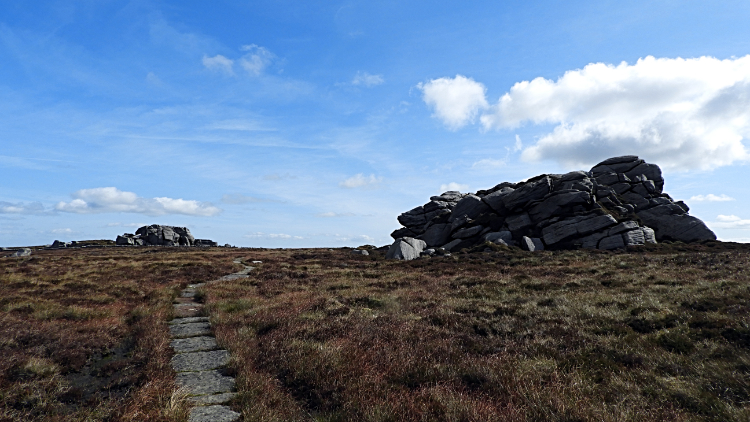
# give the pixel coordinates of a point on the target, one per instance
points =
(635, 199)
(467, 232)
(503, 237)
(21, 252)
(200, 361)
(667, 226)
(194, 329)
(623, 227)
(209, 399)
(633, 238)
(360, 252)
(568, 211)
(452, 244)
(403, 232)
(495, 200)
(449, 196)
(216, 413)
(557, 203)
(518, 222)
(436, 235)
(406, 248)
(648, 235)
(595, 224)
(592, 241)
(532, 190)
(558, 232)
(194, 344)
(470, 206)
(531, 244)
(205, 382)
(188, 320)
(612, 242)
(413, 217)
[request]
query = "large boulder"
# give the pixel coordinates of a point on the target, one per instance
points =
(618, 203)
(406, 248)
(160, 235)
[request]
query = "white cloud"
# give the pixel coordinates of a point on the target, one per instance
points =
(238, 199)
(455, 101)
(487, 163)
(136, 225)
(729, 222)
(331, 214)
(256, 59)
(519, 145)
(360, 180)
(679, 113)
(368, 80)
(711, 198)
(110, 199)
(454, 186)
(22, 209)
(261, 235)
(219, 63)
(61, 231)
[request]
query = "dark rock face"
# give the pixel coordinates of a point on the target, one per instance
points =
(618, 203)
(156, 234)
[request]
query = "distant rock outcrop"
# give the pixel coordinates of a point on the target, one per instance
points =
(618, 203)
(158, 235)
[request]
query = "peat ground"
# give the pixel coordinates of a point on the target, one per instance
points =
(655, 333)
(83, 333)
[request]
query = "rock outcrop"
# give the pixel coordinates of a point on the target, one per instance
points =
(620, 202)
(158, 235)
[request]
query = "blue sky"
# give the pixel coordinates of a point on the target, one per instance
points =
(294, 124)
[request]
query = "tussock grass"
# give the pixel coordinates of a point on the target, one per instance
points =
(658, 333)
(83, 333)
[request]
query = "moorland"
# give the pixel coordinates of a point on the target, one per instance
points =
(657, 332)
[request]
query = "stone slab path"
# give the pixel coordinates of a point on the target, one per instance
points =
(198, 361)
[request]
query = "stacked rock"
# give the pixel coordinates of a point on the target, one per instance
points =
(156, 234)
(618, 203)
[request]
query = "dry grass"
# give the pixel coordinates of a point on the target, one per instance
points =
(660, 333)
(83, 334)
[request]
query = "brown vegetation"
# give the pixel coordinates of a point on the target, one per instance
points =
(83, 332)
(658, 333)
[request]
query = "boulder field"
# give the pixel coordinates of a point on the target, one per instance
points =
(158, 235)
(620, 202)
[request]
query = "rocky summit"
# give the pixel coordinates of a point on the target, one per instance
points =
(158, 235)
(620, 202)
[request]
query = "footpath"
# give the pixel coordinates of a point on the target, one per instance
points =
(198, 361)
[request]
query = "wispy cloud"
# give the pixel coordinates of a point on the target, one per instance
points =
(454, 187)
(238, 199)
(111, 199)
(256, 59)
(488, 163)
(31, 208)
(331, 214)
(61, 231)
(360, 181)
(219, 63)
(711, 198)
(729, 222)
(261, 235)
(368, 80)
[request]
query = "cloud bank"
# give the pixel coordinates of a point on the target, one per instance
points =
(360, 181)
(711, 198)
(111, 199)
(681, 113)
(368, 80)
